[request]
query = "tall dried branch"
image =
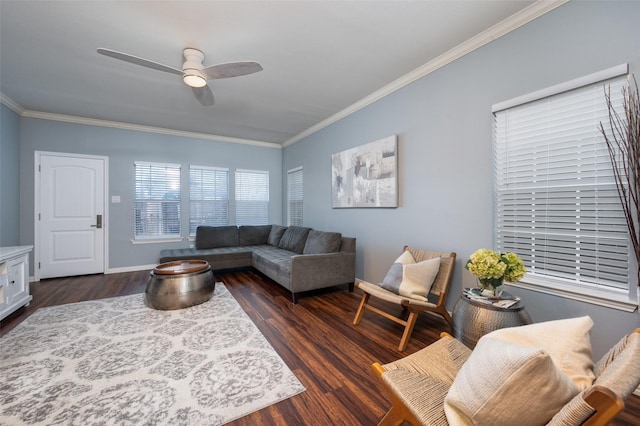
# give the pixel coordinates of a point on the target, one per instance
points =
(623, 144)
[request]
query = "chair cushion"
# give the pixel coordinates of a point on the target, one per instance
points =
(568, 342)
(294, 239)
(276, 234)
(322, 242)
(505, 384)
(410, 279)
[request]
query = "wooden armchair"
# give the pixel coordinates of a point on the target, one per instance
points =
(419, 383)
(437, 295)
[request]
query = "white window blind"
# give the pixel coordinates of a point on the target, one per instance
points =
(295, 197)
(157, 200)
(252, 197)
(208, 197)
(557, 204)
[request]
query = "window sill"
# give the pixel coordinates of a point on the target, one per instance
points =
(606, 298)
(157, 241)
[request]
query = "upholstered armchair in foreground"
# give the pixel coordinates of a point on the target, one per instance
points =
(418, 281)
(539, 374)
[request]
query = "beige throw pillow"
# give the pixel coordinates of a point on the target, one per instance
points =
(568, 342)
(506, 384)
(412, 279)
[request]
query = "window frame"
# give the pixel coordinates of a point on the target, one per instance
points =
(219, 202)
(240, 176)
(161, 236)
(622, 299)
(295, 193)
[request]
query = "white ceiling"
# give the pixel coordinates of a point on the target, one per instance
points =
(320, 58)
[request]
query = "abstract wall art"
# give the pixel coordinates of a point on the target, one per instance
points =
(366, 176)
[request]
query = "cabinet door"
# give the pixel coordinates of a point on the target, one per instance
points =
(18, 279)
(4, 286)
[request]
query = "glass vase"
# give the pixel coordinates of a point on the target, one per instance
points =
(490, 287)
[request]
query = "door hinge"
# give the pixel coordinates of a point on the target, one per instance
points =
(38, 265)
(39, 218)
(39, 168)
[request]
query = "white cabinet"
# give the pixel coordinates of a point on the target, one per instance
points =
(14, 279)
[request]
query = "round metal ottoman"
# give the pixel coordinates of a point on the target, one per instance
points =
(179, 284)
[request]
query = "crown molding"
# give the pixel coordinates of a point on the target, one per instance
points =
(141, 128)
(509, 24)
(14, 106)
(11, 104)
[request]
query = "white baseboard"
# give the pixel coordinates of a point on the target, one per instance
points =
(130, 269)
(117, 270)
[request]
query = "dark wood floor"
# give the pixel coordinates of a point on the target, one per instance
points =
(316, 338)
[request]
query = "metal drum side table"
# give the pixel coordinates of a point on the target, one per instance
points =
(179, 284)
(473, 319)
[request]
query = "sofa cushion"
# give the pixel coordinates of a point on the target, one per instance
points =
(409, 278)
(252, 235)
(218, 258)
(276, 234)
(216, 236)
(505, 384)
(568, 342)
(322, 242)
(294, 239)
(273, 262)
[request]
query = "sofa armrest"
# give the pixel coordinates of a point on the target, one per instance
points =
(312, 271)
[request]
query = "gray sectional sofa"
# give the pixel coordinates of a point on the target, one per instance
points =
(298, 258)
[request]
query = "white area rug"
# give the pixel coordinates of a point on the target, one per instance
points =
(117, 362)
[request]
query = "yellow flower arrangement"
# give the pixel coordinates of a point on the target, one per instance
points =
(492, 268)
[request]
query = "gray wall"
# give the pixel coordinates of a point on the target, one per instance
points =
(9, 177)
(123, 147)
(444, 127)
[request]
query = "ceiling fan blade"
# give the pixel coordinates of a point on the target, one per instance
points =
(139, 61)
(204, 95)
(230, 69)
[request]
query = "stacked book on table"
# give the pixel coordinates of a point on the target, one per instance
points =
(503, 301)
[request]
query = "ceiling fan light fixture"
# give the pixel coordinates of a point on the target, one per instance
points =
(194, 80)
(193, 73)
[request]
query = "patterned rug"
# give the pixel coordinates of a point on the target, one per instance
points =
(117, 362)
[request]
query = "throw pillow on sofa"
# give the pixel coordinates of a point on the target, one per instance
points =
(319, 242)
(216, 236)
(409, 278)
(294, 238)
(276, 235)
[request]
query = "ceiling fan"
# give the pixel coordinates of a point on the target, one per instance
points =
(193, 72)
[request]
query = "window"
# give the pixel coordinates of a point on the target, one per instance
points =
(208, 197)
(252, 197)
(556, 200)
(295, 197)
(157, 200)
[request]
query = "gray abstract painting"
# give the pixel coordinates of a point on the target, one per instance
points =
(366, 176)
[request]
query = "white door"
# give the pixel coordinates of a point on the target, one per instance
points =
(70, 215)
